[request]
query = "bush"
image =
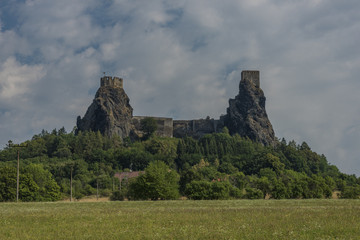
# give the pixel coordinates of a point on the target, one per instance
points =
(117, 196)
(279, 190)
(203, 190)
(105, 192)
(254, 193)
(220, 190)
(235, 192)
(78, 195)
(198, 190)
(350, 192)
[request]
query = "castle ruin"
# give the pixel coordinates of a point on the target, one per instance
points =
(111, 114)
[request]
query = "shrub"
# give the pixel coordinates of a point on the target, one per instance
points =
(117, 196)
(350, 192)
(254, 193)
(204, 190)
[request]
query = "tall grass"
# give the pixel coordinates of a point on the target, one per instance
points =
(240, 219)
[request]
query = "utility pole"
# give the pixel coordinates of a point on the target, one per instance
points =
(97, 169)
(113, 184)
(18, 176)
(18, 146)
(97, 188)
(120, 183)
(71, 184)
(71, 172)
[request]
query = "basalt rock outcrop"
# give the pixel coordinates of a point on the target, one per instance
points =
(246, 114)
(111, 114)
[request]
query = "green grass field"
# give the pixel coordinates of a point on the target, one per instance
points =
(236, 219)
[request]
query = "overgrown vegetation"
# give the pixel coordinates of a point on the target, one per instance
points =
(217, 166)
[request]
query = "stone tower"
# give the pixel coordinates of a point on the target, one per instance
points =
(111, 81)
(252, 76)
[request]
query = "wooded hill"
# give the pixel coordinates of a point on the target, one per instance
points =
(217, 166)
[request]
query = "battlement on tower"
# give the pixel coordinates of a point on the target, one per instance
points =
(111, 81)
(252, 76)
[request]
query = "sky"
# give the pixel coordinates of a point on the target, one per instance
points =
(183, 59)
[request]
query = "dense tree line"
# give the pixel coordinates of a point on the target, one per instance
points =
(217, 166)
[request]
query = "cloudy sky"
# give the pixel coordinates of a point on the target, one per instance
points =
(183, 59)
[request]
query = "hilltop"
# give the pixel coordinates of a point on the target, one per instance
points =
(111, 113)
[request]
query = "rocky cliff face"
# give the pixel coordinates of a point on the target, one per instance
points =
(110, 113)
(246, 114)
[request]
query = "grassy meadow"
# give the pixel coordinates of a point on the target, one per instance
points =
(232, 219)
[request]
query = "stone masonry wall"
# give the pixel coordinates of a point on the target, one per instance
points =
(253, 76)
(111, 81)
(195, 128)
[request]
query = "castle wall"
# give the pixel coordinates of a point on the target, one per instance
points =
(253, 76)
(195, 128)
(167, 127)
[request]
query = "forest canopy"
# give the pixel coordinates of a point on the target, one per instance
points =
(216, 166)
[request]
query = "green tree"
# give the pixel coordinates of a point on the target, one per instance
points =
(148, 126)
(62, 150)
(225, 130)
(220, 190)
(158, 182)
(163, 149)
(228, 168)
(7, 184)
(279, 190)
(264, 185)
(134, 158)
(238, 180)
(28, 189)
(49, 190)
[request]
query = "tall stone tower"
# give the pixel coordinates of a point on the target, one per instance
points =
(252, 76)
(246, 114)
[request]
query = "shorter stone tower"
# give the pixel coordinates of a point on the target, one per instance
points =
(252, 76)
(111, 81)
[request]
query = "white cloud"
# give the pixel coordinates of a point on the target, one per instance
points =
(13, 44)
(16, 79)
(57, 28)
